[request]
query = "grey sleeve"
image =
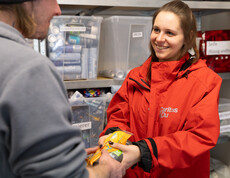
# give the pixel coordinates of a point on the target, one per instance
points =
(41, 141)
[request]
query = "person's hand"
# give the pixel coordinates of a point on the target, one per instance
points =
(102, 139)
(131, 154)
(117, 170)
(91, 150)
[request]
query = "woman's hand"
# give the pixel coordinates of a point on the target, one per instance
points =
(131, 154)
(102, 140)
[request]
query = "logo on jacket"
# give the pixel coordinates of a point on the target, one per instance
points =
(164, 112)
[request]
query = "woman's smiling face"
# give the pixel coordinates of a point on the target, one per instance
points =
(167, 37)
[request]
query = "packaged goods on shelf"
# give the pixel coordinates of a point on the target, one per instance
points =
(88, 114)
(215, 48)
(73, 45)
(224, 114)
(124, 44)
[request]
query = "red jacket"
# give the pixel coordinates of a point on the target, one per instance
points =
(178, 111)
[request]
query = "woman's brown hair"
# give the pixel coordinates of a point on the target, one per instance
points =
(188, 25)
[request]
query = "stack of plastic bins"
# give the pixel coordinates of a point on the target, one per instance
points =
(73, 45)
(88, 115)
(124, 44)
(224, 114)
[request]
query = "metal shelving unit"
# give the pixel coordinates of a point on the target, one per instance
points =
(92, 83)
(147, 7)
(101, 82)
(153, 4)
(98, 7)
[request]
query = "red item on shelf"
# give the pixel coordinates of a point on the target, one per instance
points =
(214, 46)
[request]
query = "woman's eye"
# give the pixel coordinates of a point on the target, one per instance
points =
(170, 33)
(156, 30)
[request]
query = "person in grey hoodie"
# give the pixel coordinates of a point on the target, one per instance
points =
(36, 137)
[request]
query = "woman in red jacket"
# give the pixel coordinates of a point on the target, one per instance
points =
(170, 103)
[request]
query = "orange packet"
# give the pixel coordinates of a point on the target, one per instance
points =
(116, 137)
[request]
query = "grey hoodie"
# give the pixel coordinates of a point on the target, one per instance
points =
(36, 137)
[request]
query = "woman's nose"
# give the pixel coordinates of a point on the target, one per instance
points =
(160, 37)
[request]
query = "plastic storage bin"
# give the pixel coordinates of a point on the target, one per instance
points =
(73, 45)
(124, 44)
(88, 115)
(224, 114)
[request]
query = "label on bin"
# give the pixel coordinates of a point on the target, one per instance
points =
(137, 34)
(224, 115)
(224, 128)
(72, 29)
(218, 48)
(83, 125)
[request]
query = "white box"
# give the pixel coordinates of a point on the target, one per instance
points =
(124, 44)
(224, 114)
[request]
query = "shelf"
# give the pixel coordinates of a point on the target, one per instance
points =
(101, 82)
(100, 6)
(146, 4)
(92, 83)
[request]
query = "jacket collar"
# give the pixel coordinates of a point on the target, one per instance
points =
(168, 70)
(164, 71)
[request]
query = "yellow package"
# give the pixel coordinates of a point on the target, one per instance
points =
(116, 137)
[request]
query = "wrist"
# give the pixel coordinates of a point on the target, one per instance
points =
(146, 161)
(99, 171)
(138, 153)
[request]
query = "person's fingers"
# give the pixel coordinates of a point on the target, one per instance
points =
(117, 169)
(101, 140)
(118, 146)
(104, 152)
(91, 150)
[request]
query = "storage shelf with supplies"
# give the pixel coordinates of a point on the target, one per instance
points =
(102, 82)
(153, 4)
(209, 14)
(92, 83)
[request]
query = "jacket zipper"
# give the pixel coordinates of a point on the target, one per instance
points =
(140, 84)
